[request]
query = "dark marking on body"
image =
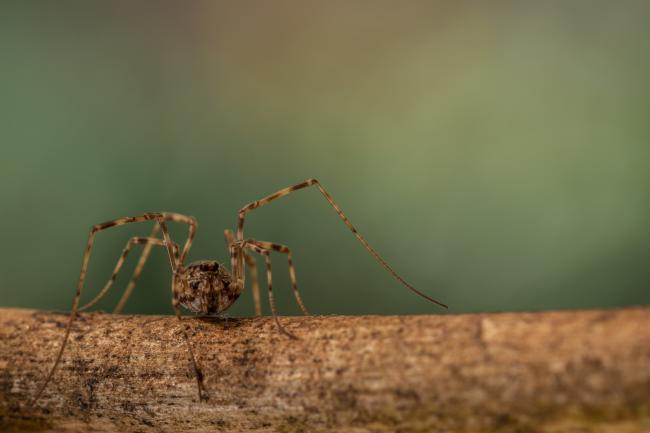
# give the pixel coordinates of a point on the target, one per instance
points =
(207, 287)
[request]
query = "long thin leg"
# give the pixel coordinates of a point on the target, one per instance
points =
(138, 270)
(152, 216)
(269, 282)
(203, 395)
(292, 271)
(313, 182)
(148, 242)
(252, 268)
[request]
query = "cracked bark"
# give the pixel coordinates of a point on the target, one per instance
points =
(510, 372)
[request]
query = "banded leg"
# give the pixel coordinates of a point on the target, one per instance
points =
(160, 218)
(138, 270)
(292, 271)
(198, 373)
(252, 267)
(313, 182)
(269, 280)
(148, 242)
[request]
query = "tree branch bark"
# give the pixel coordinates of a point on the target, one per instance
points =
(510, 372)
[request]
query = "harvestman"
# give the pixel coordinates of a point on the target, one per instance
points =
(206, 286)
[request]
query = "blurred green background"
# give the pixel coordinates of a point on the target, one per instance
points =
(497, 154)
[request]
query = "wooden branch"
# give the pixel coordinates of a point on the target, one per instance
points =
(550, 371)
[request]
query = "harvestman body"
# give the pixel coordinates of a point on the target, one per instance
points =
(206, 286)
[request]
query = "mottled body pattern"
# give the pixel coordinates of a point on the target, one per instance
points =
(210, 288)
(206, 286)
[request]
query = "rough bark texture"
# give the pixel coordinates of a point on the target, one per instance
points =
(511, 372)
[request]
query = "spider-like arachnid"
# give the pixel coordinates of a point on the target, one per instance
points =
(206, 286)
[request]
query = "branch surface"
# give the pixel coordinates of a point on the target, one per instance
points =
(510, 372)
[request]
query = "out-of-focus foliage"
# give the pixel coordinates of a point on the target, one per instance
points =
(497, 155)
